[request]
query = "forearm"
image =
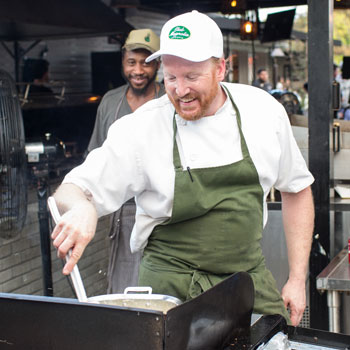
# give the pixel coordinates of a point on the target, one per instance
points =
(298, 221)
(77, 225)
(69, 195)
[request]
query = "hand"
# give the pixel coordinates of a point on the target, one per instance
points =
(75, 230)
(294, 297)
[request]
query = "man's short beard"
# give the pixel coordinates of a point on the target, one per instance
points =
(143, 90)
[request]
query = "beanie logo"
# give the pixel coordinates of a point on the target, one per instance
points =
(179, 32)
(148, 37)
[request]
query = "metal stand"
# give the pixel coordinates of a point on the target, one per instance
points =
(335, 280)
(40, 156)
(333, 302)
(44, 235)
(40, 174)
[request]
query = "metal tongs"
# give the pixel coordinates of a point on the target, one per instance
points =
(75, 274)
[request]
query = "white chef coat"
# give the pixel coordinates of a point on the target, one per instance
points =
(136, 160)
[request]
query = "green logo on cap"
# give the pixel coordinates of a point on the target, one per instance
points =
(179, 32)
(148, 38)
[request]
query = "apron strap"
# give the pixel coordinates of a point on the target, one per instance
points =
(176, 154)
(200, 283)
(244, 147)
(196, 282)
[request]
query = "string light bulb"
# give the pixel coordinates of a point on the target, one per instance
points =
(248, 30)
(248, 27)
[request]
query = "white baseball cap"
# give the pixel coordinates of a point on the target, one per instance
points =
(193, 36)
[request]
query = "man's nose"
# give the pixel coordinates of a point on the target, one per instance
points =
(182, 89)
(138, 68)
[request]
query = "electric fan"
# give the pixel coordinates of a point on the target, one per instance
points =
(13, 162)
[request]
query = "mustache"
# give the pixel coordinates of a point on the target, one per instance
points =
(187, 97)
(131, 76)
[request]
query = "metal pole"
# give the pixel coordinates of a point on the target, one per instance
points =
(254, 62)
(333, 301)
(45, 236)
(16, 56)
(320, 70)
(275, 72)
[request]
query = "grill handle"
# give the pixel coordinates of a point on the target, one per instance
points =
(136, 290)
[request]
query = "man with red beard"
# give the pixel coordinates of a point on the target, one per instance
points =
(141, 87)
(200, 162)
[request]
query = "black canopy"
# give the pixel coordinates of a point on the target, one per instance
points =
(173, 7)
(56, 19)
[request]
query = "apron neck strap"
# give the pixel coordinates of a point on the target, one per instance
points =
(176, 154)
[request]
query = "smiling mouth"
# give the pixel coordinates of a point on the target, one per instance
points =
(137, 79)
(188, 100)
(188, 104)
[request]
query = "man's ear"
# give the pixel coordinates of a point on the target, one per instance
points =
(221, 69)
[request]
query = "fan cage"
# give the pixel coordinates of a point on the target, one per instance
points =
(13, 162)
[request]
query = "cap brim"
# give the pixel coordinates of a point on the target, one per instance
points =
(153, 56)
(184, 56)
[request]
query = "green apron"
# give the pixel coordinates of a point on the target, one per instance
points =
(215, 230)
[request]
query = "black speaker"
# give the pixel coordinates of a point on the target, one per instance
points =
(345, 71)
(278, 26)
(106, 71)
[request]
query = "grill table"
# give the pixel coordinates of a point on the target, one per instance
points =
(218, 319)
(300, 338)
(206, 322)
(335, 279)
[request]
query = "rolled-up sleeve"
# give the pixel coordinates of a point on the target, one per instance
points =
(111, 172)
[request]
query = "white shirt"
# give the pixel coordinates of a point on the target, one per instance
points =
(136, 160)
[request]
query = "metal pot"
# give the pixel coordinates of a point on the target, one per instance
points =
(133, 297)
(139, 298)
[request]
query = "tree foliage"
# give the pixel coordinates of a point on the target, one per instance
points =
(300, 23)
(341, 32)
